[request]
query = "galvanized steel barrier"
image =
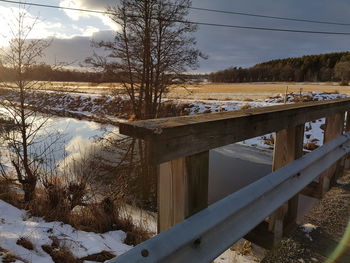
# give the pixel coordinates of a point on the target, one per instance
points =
(204, 236)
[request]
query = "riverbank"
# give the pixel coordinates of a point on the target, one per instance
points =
(110, 109)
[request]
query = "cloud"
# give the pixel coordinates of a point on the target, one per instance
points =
(92, 5)
(76, 49)
(96, 4)
(42, 29)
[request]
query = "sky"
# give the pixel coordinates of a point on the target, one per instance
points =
(225, 47)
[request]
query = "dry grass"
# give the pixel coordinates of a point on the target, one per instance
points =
(269, 140)
(101, 217)
(7, 256)
(56, 205)
(310, 146)
(25, 242)
(243, 90)
(99, 257)
(60, 254)
(252, 91)
(9, 194)
(263, 87)
(104, 218)
(245, 107)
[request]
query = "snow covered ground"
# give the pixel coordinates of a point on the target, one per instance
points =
(15, 224)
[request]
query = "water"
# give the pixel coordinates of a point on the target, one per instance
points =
(235, 166)
(62, 140)
(74, 137)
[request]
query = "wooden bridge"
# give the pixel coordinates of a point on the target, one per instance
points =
(262, 212)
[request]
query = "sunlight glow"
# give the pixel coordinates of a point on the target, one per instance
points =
(43, 29)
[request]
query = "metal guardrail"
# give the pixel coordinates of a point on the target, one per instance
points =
(207, 234)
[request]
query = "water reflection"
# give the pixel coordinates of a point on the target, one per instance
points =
(115, 163)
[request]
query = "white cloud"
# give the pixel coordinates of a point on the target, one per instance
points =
(41, 29)
(93, 5)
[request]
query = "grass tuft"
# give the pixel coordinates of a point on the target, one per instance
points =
(25, 242)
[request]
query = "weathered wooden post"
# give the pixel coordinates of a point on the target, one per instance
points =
(346, 161)
(334, 128)
(182, 189)
(288, 147)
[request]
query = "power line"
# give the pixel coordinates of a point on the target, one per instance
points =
(190, 22)
(270, 29)
(199, 9)
(270, 17)
(56, 7)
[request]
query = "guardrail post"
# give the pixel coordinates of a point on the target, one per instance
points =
(182, 189)
(334, 128)
(288, 147)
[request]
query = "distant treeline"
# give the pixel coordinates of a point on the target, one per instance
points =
(312, 68)
(47, 73)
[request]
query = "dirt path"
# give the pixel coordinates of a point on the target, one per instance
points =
(324, 228)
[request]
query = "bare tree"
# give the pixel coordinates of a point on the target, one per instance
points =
(20, 56)
(153, 47)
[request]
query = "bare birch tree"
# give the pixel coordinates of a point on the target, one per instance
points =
(154, 46)
(22, 54)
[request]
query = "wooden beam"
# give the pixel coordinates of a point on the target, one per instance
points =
(334, 128)
(182, 189)
(173, 138)
(288, 147)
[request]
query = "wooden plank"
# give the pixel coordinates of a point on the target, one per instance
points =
(334, 128)
(182, 189)
(288, 147)
(172, 138)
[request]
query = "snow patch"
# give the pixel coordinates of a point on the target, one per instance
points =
(14, 224)
(307, 229)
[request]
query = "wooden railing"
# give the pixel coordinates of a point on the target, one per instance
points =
(179, 148)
